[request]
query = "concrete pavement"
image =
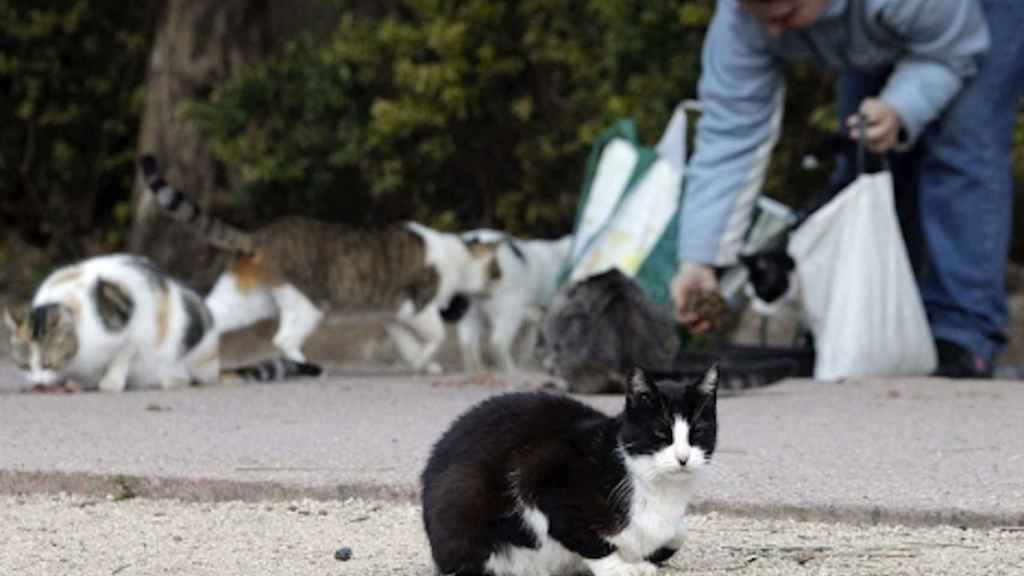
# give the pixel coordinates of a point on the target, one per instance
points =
(920, 452)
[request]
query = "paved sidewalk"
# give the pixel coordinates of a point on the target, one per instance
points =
(915, 451)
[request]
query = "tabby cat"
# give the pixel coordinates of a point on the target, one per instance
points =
(539, 483)
(118, 321)
(599, 327)
(296, 267)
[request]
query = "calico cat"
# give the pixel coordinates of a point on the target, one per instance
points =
(528, 281)
(538, 483)
(296, 267)
(599, 327)
(118, 321)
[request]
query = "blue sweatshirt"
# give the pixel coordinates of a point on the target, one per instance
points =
(932, 47)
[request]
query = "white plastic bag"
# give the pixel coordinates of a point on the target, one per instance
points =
(858, 292)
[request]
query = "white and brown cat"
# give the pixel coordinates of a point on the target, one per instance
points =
(117, 321)
(530, 273)
(295, 268)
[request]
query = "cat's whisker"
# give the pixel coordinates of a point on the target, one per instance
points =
(622, 490)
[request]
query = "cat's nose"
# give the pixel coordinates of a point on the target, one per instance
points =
(683, 460)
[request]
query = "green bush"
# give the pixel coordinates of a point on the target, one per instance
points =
(71, 93)
(454, 113)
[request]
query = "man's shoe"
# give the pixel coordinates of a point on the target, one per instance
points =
(955, 361)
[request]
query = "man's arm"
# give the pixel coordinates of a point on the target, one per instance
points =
(741, 92)
(943, 41)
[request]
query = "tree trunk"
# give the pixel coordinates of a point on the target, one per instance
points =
(200, 44)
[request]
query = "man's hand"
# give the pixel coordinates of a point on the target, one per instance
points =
(883, 125)
(690, 281)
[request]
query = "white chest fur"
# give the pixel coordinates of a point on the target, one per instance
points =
(657, 518)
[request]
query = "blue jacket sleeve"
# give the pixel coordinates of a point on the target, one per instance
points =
(942, 42)
(741, 90)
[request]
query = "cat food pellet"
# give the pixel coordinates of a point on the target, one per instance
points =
(344, 553)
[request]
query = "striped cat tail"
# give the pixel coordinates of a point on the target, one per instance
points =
(272, 370)
(182, 208)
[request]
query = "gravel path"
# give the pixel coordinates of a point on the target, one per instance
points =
(75, 535)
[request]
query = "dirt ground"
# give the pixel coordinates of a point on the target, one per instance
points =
(42, 535)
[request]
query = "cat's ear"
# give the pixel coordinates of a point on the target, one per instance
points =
(639, 388)
(708, 383)
(17, 319)
(10, 321)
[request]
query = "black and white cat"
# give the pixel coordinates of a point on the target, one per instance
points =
(772, 281)
(538, 483)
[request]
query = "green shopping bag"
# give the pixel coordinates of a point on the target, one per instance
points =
(629, 207)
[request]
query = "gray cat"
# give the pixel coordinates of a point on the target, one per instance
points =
(599, 328)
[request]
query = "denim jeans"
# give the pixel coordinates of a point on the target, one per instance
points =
(954, 189)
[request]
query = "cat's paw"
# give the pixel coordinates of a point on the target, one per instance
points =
(641, 569)
(113, 383)
(291, 350)
(433, 369)
(614, 565)
(173, 382)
